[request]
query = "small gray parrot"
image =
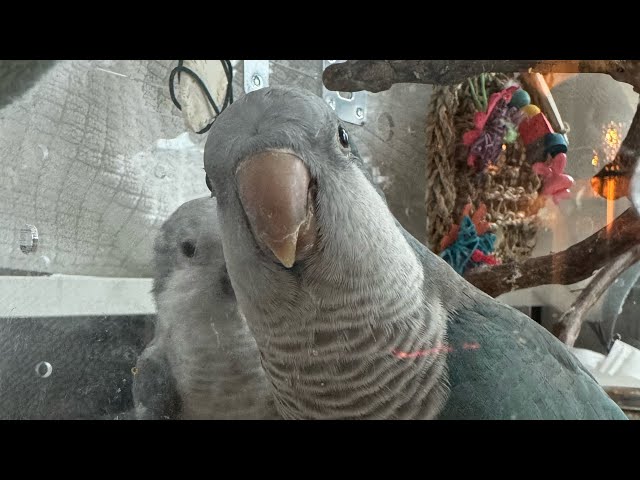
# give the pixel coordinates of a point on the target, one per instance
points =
(203, 362)
(354, 318)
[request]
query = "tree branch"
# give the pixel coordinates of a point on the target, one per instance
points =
(380, 75)
(572, 265)
(627, 398)
(568, 327)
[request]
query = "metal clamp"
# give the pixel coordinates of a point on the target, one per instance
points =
(350, 107)
(256, 75)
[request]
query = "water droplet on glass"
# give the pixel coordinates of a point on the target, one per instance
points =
(45, 151)
(160, 172)
(359, 112)
(28, 239)
(44, 369)
(314, 352)
(332, 103)
(257, 80)
(134, 370)
(45, 261)
(322, 384)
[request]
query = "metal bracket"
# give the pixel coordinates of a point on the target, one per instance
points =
(256, 75)
(352, 109)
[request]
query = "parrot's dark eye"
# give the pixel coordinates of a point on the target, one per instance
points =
(343, 136)
(188, 248)
(208, 182)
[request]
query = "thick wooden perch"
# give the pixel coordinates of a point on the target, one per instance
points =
(568, 327)
(380, 75)
(627, 398)
(572, 265)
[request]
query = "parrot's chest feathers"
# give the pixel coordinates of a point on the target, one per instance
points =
(355, 339)
(212, 354)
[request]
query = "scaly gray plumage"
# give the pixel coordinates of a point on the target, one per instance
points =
(202, 363)
(368, 323)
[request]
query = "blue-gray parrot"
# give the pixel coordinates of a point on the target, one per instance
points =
(353, 317)
(203, 362)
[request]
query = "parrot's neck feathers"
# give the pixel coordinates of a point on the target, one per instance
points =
(355, 326)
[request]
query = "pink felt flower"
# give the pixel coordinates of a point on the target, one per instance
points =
(555, 183)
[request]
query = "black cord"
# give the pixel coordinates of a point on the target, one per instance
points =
(228, 97)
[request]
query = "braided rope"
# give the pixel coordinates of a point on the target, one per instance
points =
(441, 193)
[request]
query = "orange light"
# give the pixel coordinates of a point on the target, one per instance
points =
(610, 203)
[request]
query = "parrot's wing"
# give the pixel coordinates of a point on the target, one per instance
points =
(155, 394)
(503, 365)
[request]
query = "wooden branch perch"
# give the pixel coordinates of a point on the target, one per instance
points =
(627, 398)
(568, 327)
(572, 265)
(380, 75)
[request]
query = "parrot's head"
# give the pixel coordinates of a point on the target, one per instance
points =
(324, 275)
(285, 169)
(188, 252)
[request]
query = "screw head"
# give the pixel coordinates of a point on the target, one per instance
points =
(28, 239)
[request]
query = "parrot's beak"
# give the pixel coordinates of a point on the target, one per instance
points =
(274, 188)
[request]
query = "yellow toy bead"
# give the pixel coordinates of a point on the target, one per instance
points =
(530, 110)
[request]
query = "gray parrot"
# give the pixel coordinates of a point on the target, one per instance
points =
(354, 318)
(203, 362)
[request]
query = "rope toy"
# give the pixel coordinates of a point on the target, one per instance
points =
(507, 115)
(509, 188)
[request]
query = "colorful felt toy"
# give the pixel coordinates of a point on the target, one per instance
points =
(496, 124)
(469, 244)
(493, 127)
(555, 183)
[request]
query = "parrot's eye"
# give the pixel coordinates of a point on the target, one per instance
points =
(188, 248)
(208, 182)
(343, 136)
